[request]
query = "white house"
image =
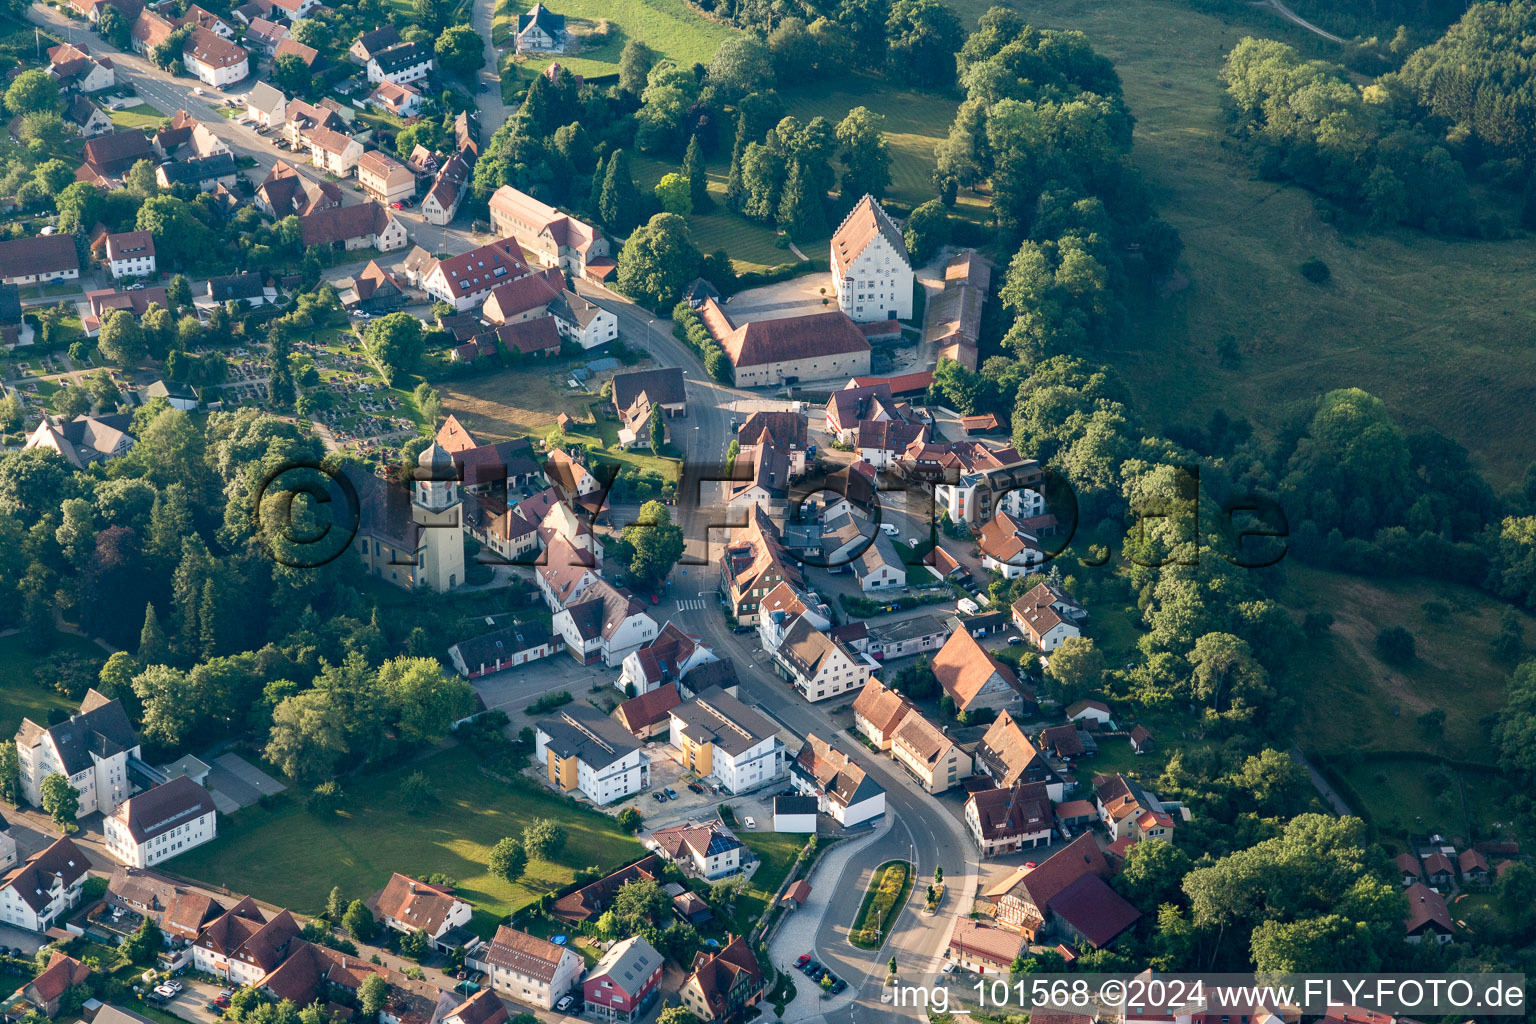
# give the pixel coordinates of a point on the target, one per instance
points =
(710, 849)
(1046, 617)
(842, 789)
(526, 968)
(717, 736)
(583, 750)
(407, 62)
(242, 945)
(296, 10)
(1009, 547)
(37, 895)
(131, 254)
(333, 152)
(1093, 711)
(402, 100)
(91, 749)
(878, 567)
(604, 625)
(160, 823)
(266, 106)
(871, 274)
(76, 70)
(540, 30)
(666, 659)
(39, 259)
(466, 280)
(408, 905)
(506, 648)
(384, 178)
(819, 666)
(448, 190)
(214, 60)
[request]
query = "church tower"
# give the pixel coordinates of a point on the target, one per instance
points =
(437, 506)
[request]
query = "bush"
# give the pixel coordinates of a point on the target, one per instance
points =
(1395, 646)
(1316, 271)
(549, 702)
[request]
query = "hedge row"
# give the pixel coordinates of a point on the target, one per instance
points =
(688, 326)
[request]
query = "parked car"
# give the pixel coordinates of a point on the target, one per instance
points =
(889, 529)
(811, 967)
(655, 599)
(1014, 641)
(659, 797)
(751, 822)
(949, 968)
(564, 1003)
(802, 959)
(671, 793)
(838, 986)
(695, 787)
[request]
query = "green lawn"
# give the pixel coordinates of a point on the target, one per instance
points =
(1438, 328)
(140, 116)
(20, 695)
(778, 851)
(669, 27)
(889, 888)
(293, 858)
(751, 246)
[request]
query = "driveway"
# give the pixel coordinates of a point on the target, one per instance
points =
(191, 1003)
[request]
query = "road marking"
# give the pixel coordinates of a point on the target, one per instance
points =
(690, 606)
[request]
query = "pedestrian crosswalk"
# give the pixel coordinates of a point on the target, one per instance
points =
(690, 605)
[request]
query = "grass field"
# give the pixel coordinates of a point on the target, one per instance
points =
(1439, 329)
(484, 402)
(670, 27)
(1356, 702)
(889, 888)
(141, 116)
(751, 246)
(20, 695)
(293, 858)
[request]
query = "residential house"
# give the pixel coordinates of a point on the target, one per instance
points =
(375, 290)
(1408, 868)
(1141, 740)
(179, 910)
(1006, 756)
(135, 300)
(295, 10)
(842, 789)
(1129, 810)
(366, 225)
(201, 17)
(871, 274)
(930, 756)
(584, 750)
(264, 36)
(812, 347)
(408, 905)
(131, 254)
(881, 443)
(540, 31)
(464, 281)
(1090, 713)
(1428, 918)
(604, 624)
(527, 969)
(43, 258)
(484, 1007)
(1474, 867)
(973, 479)
(333, 152)
(1009, 547)
(1067, 892)
(590, 901)
(621, 987)
(202, 173)
(1046, 616)
(242, 945)
(400, 100)
(1438, 869)
(1068, 742)
(149, 31)
(290, 47)
(650, 714)
(784, 431)
(93, 749)
(46, 992)
(904, 638)
(91, 9)
(75, 70)
(818, 665)
(214, 60)
(551, 238)
(981, 948)
(878, 567)
(38, 895)
(503, 649)
(857, 405)
(249, 288)
(583, 321)
(526, 298)
(953, 324)
(7, 846)
(638, 392)
(795, 814)
(724, 984)
(717, 736)
(370, 44)
(974, 679)
(877, 712)
(402, 63)
(285, 191)
(1006, 820)
(89, 119)
(781, 608)
(448, 190)
(160, 823)
(384, 179)
(760, 478)
(300, 118)
(666, 659)
(753, 564)
(709, 850)
(84, 440)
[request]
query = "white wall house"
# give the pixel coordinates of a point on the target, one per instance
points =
(160, 823)
(604, 625)
(39, 893)
(408, 62)
(131, 254)
(409, 905)
(584, 750)
(91, 749)
(818, 666)
(526, 968)
(213, 60)
(870, 271)
(584, 322)
(717, 736)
